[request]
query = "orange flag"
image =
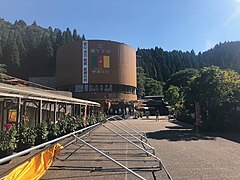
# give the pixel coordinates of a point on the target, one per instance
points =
(37, 166)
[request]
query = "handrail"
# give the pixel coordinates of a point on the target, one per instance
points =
(5, 159)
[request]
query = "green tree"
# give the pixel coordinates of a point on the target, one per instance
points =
(174, 96)
(1, 53)
(11, 57)
(83, 37)
(34, 23)
(140, 82)
(75, 35)
(182, 78)
(68, 36)
(212, 88)
(3, 68)
(152, 87)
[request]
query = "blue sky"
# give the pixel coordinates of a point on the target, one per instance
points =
(170, 24)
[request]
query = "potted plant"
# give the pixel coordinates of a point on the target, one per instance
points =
(8, 140)
(101, 117)
(26, 137)
(91, 120)
(41, 133)
(62, 123)
(53, 131)
(71, 123)
(79, 123)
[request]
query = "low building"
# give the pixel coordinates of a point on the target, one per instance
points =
(154, 103)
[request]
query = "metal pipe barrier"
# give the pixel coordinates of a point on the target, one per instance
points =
(132, 129)
(133, 126)
(108, 157)
(150, 154)
(132, 135)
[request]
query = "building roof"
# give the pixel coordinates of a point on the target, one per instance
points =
(7, 90)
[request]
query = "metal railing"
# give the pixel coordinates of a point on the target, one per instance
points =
(5, 159)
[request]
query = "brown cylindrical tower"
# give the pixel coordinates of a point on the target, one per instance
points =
(97, 70)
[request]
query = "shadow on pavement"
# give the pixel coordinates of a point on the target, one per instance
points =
(235, 137)
(183, 132)
(175, 127)
(178, 135)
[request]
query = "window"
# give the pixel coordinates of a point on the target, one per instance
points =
(93, 88)
(79, 88)
(128, 89)
(116, 88)
(108, 88)
(101, 88)
(85, 87)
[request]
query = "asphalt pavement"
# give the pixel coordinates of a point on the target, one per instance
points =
(185, 154)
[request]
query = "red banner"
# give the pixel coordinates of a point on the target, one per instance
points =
(100, 61)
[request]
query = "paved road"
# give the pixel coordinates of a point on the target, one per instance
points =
(188, 155)
(185, 154)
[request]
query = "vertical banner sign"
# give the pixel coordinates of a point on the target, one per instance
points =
(85, 116)
(85, 62)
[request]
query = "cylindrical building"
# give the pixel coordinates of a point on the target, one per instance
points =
(97, 70)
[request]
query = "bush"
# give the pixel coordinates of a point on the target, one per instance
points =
(53, 131)
(41, 133)
(8, 140)
(101, 117)
(26, 134)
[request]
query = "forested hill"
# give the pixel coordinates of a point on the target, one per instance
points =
(30, 50)
(160, 65)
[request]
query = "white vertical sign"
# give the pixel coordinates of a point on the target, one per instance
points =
(85, 62)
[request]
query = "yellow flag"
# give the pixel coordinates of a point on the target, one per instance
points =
(106, 61)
